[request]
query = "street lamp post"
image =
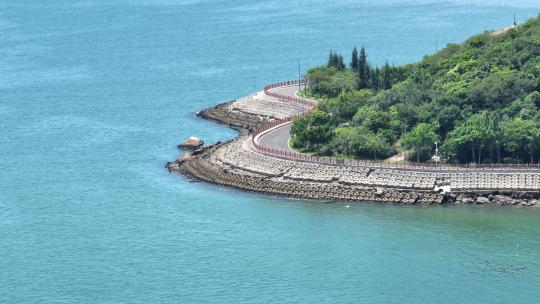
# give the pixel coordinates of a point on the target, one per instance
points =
(299, 76)
(436, 158)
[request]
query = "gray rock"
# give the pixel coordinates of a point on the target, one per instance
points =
(482, 200)
(192, 142)
(187, 156)
(172, 166)
(468, 200)
(502, 200)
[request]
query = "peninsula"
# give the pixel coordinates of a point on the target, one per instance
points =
(461, 126)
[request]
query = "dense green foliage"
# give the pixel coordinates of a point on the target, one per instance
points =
(335, 60)
(480, 99)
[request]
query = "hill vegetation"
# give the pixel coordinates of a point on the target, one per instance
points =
(479, 100)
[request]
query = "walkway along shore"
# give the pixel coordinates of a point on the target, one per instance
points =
(246, 164)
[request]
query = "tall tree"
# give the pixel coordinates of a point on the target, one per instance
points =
(375, 82)
(363, 68)
(386, 76)
(473, 135)
(421, 138)
(340, 63)
(354, 60)
(336, 60)
(331, 59)
(369, 75)
(521, 136)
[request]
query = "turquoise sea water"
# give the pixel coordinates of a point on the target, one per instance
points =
(94, 96)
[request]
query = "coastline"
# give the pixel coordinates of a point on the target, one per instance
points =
(235, 163)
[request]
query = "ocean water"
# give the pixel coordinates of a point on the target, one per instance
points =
(94, 96)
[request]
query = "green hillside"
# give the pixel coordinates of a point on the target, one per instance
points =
(480, 100)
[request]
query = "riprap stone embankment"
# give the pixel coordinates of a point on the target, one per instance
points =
(235, 163)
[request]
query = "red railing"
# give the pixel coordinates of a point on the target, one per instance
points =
(360, 163)
(304, 101)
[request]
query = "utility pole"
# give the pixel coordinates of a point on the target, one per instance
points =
(515, 23)
(405, 145)
(436, 45)
(299, 75)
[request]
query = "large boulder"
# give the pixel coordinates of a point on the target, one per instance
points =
(191, 143)
(468, 200)
(482, 200)
(502, 200)
(187, 156)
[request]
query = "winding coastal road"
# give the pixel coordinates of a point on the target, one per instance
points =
(289, 90)
(262, 162)
(278, 138)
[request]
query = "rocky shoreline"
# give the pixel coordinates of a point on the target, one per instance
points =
(242, 122)
(222, 163)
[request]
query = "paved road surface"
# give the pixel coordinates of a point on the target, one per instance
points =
(278, 138)
(291, 91)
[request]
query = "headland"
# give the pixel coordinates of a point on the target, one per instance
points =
(257, 161)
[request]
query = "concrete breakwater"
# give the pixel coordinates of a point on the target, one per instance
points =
(238, 164)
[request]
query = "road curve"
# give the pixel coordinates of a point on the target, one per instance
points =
(287, 90)
(278, 138)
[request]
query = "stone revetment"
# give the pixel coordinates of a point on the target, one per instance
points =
(247, 164)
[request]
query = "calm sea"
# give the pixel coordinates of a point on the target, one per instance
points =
(94, 96)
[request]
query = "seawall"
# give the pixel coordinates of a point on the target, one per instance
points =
(239, 163)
